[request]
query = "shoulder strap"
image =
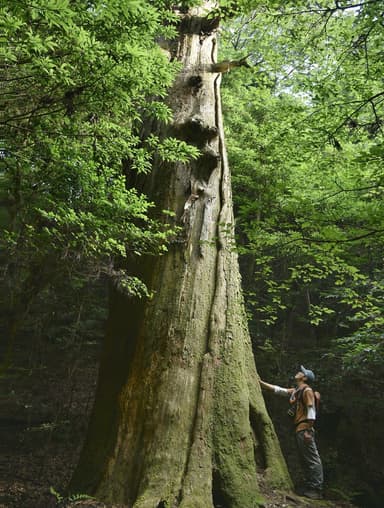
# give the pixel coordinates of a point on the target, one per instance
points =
(300, 392)
(316, 396)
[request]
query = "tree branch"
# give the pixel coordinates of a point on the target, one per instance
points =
(364, 103)
(354, 239)
(329, 9)
(356, 189)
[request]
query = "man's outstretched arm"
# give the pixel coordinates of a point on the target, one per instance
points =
(266, 386)
(276, 389)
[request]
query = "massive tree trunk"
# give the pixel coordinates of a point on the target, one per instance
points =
(179, 419)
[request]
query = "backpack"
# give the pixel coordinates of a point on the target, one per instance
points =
(299, 397)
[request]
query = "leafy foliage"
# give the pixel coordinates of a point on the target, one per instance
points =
(305, 144)
(78, 81)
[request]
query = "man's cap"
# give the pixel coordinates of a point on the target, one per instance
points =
(308, 373)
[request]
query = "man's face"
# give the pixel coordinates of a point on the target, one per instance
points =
(300, 376)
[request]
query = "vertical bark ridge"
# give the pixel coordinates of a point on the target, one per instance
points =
(196, 489)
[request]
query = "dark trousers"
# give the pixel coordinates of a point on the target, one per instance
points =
(310, 460)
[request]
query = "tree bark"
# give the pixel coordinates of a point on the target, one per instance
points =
(179, 419)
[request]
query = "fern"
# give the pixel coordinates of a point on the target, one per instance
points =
(61, 500)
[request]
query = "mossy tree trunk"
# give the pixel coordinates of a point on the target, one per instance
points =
(179, 419)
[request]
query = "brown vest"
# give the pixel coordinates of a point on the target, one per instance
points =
(304, 397)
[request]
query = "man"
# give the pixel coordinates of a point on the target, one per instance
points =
(303, 410)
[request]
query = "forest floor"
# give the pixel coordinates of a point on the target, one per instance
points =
(276, 499)
(46, 398)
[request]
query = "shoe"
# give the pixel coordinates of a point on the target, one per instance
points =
(312, 494)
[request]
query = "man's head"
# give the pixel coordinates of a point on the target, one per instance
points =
(305, 375)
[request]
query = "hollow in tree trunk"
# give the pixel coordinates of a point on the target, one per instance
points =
(179, 419)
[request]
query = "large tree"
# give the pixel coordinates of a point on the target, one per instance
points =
(179, 419)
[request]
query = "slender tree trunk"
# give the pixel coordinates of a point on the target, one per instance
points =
(179, 419)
